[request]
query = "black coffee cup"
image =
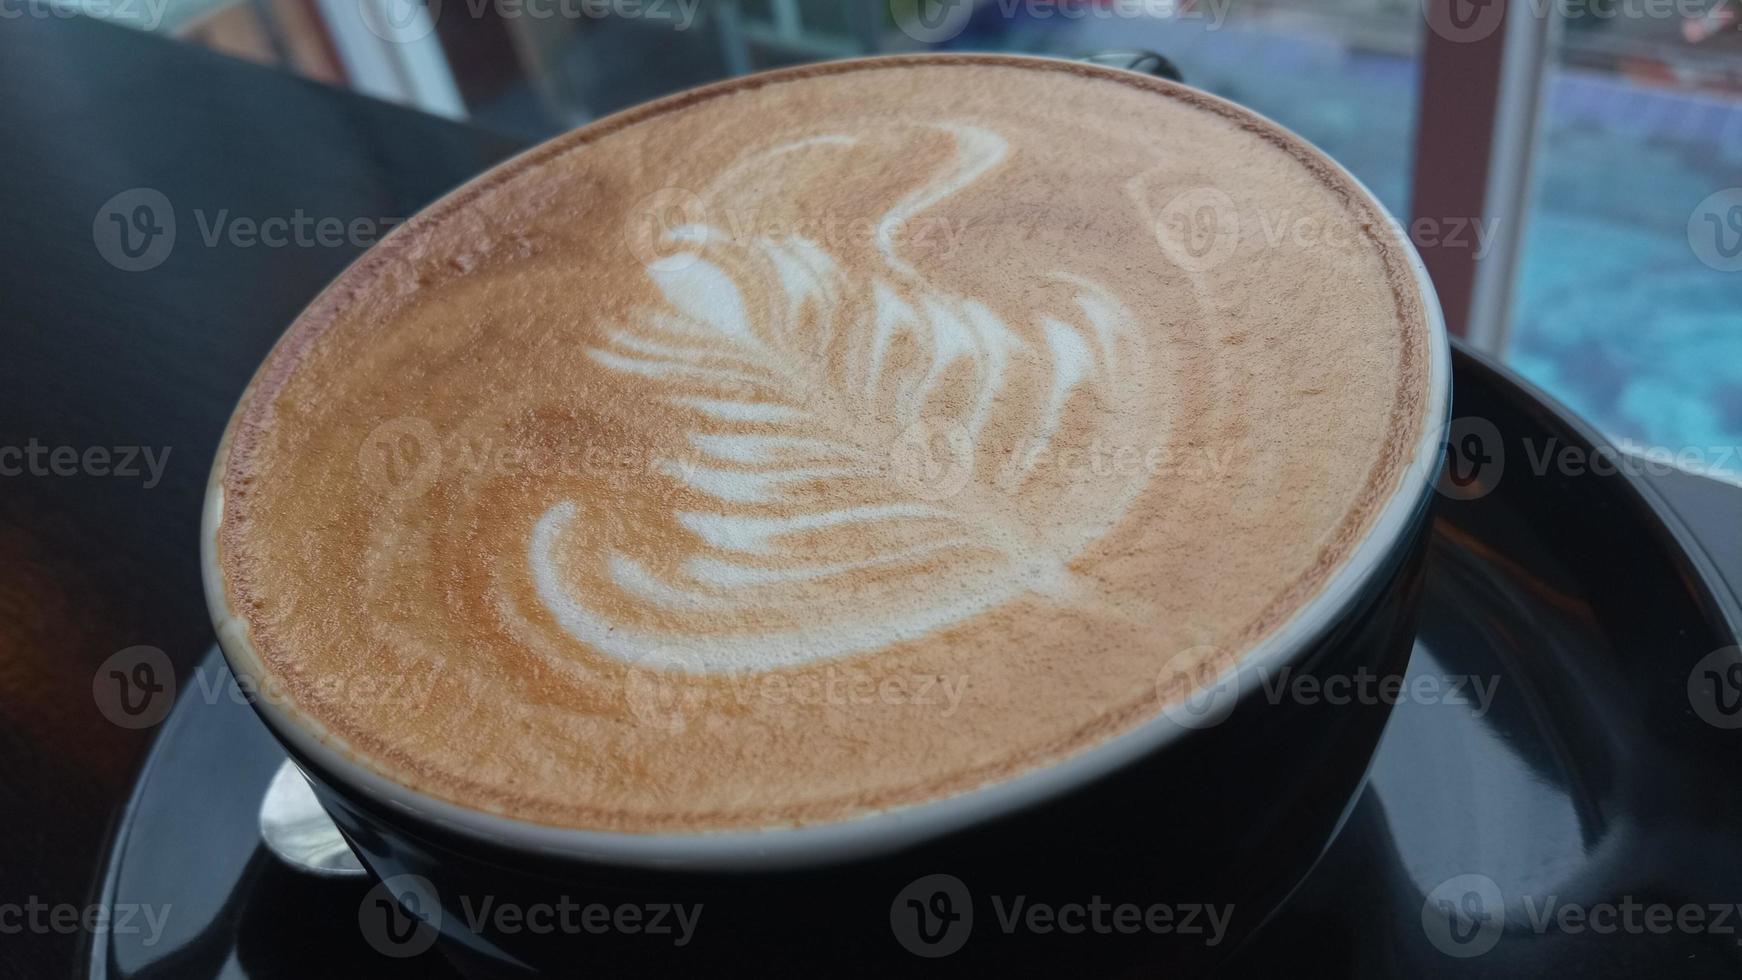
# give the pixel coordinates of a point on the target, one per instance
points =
(1163, 847)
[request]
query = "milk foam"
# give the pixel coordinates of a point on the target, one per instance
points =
(795, 464)
(652, 480)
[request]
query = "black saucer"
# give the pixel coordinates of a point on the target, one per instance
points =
(1549, 824)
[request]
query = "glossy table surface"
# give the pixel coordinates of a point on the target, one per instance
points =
(115, 380)
(1556, 754)
(93, 355)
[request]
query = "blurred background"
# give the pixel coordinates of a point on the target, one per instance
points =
(1617, 137)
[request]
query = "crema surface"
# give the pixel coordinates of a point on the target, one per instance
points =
(819, 443)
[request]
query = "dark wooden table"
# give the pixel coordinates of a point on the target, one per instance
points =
(96, 356)
(102, 360)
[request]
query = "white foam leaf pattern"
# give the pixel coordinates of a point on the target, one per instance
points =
(801, 381)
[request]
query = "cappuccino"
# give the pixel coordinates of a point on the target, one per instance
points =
(819, 443)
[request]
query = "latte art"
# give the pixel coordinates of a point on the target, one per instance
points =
(818, 443)
(805, 542)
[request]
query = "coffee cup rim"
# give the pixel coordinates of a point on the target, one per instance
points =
(878, 831)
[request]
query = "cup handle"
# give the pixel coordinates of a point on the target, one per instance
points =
(1137, 60)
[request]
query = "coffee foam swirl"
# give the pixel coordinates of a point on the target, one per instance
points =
(648, 517)
(814, 532)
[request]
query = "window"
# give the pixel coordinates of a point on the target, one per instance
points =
(1628, 300)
